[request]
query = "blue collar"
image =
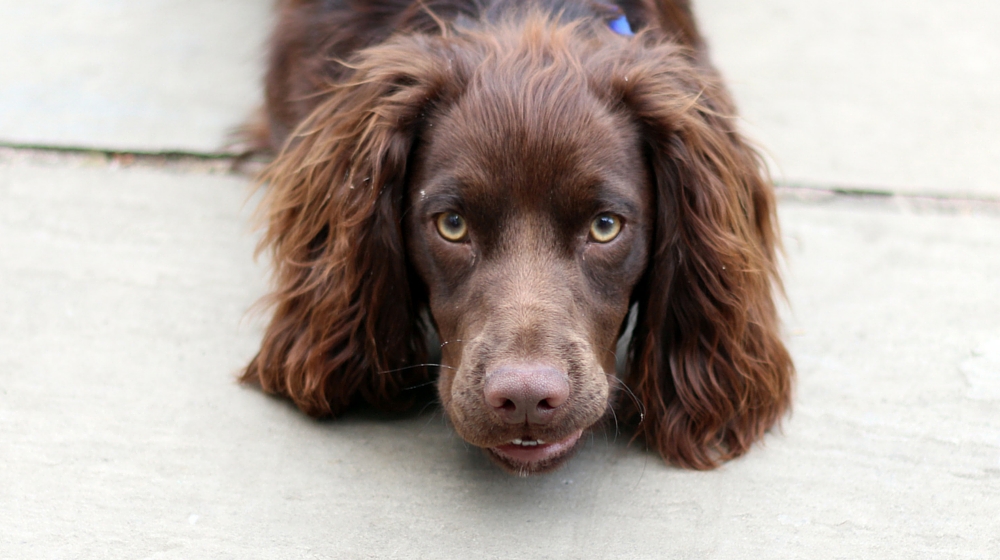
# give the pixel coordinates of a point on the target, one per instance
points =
(620, 26)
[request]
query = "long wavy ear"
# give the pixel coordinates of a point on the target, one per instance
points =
(345, 322)
(707, 360)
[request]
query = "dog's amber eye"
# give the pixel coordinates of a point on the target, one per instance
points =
(605, 228)
(452, 227)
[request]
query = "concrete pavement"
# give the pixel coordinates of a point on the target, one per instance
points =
(125, 284)
(146, 76)
(902, 96)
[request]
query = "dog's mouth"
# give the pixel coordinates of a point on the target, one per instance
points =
(527, 455)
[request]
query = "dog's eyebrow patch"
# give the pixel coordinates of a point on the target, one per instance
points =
(602, 196)
(435, 203)
(617, 204)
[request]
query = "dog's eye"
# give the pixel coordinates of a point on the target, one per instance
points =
(452, 227)
(605, 228)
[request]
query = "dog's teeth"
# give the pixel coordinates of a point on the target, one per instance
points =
(527, 442)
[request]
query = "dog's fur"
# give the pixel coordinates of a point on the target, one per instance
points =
(529, 120)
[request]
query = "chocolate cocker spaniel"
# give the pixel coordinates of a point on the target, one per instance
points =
(496, 192)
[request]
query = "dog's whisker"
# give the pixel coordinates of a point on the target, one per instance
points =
(614, 416)
(628, 391)
(642, 473)
(609, 351)
(429, 420)
(419, 385)
(424, 408)
(450, 342)
(404, 368)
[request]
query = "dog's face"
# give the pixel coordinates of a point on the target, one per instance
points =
(529, 222)
(528, 182)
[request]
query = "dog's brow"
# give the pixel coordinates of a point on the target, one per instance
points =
(604, 196)
(435, 203)
(617, 204)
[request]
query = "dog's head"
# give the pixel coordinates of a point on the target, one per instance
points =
(517, 189)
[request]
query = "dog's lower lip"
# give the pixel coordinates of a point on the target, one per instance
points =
(527, 455)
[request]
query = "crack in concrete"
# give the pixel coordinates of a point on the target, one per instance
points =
(904, 202)
(250, 165)
(190, 162)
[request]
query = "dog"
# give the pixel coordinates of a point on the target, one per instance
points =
(497, 193)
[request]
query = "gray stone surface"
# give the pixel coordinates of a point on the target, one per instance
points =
(901, 95)
(127, 75)
(123, 295)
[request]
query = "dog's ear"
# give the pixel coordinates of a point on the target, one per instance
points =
(672, 20)
(345, 321)
(707, 360)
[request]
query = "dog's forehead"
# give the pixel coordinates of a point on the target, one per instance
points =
(501, 149)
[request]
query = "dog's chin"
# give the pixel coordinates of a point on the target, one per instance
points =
(536, 459)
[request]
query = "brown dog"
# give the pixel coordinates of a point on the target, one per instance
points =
(512, 178)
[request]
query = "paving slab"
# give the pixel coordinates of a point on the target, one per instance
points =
(897, 95)
(151, 76)
(123, 319)
(900, 95)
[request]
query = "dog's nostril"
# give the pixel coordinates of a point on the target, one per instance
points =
(509, 406)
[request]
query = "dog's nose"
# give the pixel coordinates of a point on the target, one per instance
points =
(526, 393)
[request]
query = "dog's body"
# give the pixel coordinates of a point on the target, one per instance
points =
(514, 177)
